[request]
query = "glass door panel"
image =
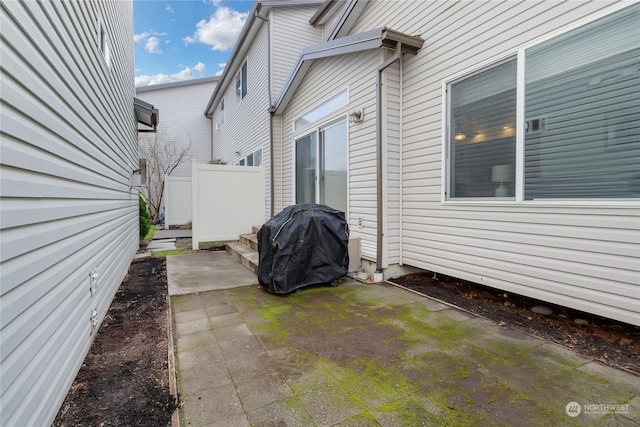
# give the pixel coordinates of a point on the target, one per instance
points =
(333, 166)
(306, 169)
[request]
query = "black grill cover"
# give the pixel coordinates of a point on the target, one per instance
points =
(303, 245)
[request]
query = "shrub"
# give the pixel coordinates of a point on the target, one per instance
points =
(145, 225)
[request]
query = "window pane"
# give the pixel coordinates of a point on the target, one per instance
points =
(482, 138)
(257, 158)
(250, 159)
(322, 110)
(244, 79)
(582, 108)
(306, 169)
(333, 166)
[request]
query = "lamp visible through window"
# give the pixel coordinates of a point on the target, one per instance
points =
(501, 174)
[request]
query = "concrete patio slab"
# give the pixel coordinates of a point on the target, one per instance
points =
(206, 271)
(375, 355)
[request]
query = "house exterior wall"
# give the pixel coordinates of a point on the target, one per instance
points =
(246, 125)
(325, 79)
(290, 33)
(271, 55)
(180, 106)
(68, 146)
(578, 254)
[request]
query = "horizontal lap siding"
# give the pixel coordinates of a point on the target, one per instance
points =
(246, 127)
(324, 79)
(584, 257)
(290, 33)
(68, 145)
(181, 111)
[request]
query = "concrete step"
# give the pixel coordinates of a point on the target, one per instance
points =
(250, 240)
(255, 229)
(244, 254)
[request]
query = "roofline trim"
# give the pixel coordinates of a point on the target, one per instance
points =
(372, 39)
(179, 83)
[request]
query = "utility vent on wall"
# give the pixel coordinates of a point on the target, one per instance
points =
(534, 125)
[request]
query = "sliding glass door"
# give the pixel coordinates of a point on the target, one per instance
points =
(321, 169)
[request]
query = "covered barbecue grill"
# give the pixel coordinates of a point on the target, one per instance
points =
(305, 244)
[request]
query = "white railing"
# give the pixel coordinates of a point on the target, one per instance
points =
(226, 201)
(177, 201)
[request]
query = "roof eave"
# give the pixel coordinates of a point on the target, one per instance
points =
(373, 39)
(247, 35)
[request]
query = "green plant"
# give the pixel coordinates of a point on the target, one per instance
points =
(217, 162)
(145, 225)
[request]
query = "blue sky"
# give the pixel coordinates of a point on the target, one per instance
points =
(184, 39)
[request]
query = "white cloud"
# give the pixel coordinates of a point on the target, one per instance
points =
(200, 67)
(152, 45)
(187, 73)
(222, 65)
(137, 38)
(169, 9)
(221, 30)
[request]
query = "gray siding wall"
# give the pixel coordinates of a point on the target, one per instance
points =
(579, 255)
(182, 119)
(246, 125)
(68, 144)
(290, 33)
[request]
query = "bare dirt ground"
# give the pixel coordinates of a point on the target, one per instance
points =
(612, 343)
(124, 379)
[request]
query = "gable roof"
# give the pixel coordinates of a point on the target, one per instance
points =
(255, 20)
(372, 39)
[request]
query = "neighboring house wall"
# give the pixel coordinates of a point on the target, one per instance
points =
(68, 147)
(581, 254)
(181, 119)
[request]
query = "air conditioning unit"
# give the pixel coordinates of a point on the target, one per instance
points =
(217, 126)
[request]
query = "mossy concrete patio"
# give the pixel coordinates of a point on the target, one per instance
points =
(369, 355)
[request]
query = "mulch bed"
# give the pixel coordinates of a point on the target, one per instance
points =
(124, 379)
(613, 343)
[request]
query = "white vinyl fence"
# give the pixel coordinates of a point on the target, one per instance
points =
(226, 201)
(177, 201)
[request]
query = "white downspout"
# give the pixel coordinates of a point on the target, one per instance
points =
(379, 171)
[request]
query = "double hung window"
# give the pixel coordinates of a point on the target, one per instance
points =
(579, 136)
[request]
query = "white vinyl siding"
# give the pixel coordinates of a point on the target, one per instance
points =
(325, 79)
(583, 256)
(246, 127)
(180, 108)
(290, 33)
(68, 146)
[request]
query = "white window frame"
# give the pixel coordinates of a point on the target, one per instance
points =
(242, 77)
(519, 54)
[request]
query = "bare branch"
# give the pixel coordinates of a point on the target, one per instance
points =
(164, 154)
